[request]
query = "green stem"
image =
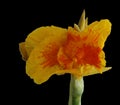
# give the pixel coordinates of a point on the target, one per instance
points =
(76, 90)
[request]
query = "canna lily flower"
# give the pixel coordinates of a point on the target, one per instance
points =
(50, 50)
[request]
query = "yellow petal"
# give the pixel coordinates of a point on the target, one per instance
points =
(41, 33)
(38, 68)
(98, 32)
(102, 58)
(42, 75)
(91, 70)
(42, 62)
(22, 50)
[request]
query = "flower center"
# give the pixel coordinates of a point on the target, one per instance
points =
(77, 52)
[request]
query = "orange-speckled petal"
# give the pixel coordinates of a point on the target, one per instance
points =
(97, 32)
(42, 62)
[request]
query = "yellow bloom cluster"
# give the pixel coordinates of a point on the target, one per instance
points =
(50, 50)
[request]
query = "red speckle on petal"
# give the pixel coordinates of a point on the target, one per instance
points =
(50, 54)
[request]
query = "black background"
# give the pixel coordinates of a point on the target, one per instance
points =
(19, 19)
